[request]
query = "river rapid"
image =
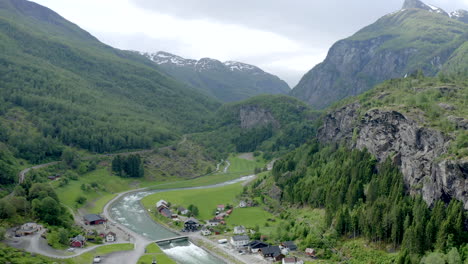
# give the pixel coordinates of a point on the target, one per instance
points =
(129, 212)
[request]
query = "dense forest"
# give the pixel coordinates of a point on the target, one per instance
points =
(130, 166)
(365, 198)
(62, 87)
(292, 123)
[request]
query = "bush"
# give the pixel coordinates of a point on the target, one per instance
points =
(81, 200)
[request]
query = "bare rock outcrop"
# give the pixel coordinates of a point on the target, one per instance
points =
(414, 148)
(254, 116)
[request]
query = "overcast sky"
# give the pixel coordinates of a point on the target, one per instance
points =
(284, 37)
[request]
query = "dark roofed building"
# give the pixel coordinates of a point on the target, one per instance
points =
(93, 219)
(254, 246)
(191, 225)
(166, 212)
(272, 252)
(289, 245)
(78, 241)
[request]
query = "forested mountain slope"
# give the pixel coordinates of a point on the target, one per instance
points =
(228, 81)
(417, 37)
(270, 123)
(420, 123)
(61, 86)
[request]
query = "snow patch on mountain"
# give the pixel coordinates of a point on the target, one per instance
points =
(162, 57)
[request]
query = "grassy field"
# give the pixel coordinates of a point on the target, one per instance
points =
(109, 185)
(205, 199)
(87, 257)
(154, 252)
(250, 217)
(239, 164)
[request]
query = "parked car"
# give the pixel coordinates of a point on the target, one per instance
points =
(71, 249)
(97, 259)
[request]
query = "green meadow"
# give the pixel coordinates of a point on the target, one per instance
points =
(205, 199)
(153, 252)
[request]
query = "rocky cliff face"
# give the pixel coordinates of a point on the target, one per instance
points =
(254, 116)
(415, 149)
(394, 46)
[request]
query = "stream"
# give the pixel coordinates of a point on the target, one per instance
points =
(129, 212)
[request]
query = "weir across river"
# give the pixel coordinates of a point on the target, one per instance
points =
(169, 240)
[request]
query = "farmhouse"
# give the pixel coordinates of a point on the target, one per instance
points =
(239, 241)
(205, 231)
(191, 225)
(28, 229)
(238, 230)
(256, 245)
(220, 207)
(292, 260)
(78, 241)
(166, 212)
(161, 204)
(111, 237)
(289, 245)
(214, 222)
(272, 252)
(310, 252)
(94, 219)
(183, 211)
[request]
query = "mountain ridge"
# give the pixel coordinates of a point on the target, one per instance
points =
(395, 45)
(62, 87)
(227, 81)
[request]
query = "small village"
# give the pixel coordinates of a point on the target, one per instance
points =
(239, 238)
(94, 230)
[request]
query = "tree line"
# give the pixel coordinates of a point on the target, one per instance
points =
(365, 198)
(130, 166)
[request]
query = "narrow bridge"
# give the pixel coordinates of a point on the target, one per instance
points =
(169, 240)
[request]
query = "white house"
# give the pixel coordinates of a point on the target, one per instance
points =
(183, 211)
(238, 230)
(292, 260)
(239, 241)
(220, 207)
(242, 204)
(111, 237)
(205, 231)
(214, 222)
(161, 203)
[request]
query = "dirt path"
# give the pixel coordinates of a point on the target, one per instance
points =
(228, 164)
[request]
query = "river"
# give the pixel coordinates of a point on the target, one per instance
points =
(129, 212)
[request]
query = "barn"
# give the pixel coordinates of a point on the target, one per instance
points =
(94, 219)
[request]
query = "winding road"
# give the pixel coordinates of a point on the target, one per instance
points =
(36, 244)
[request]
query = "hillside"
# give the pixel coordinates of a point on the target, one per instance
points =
(61, 86)
(418, 122)
(269, 123)
(227, 81)
(389, 166)
(417, 37)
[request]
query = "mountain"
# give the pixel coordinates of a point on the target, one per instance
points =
(419, 123)
(228, 81)
(61, 86)
(273, 124)
(417, 37)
